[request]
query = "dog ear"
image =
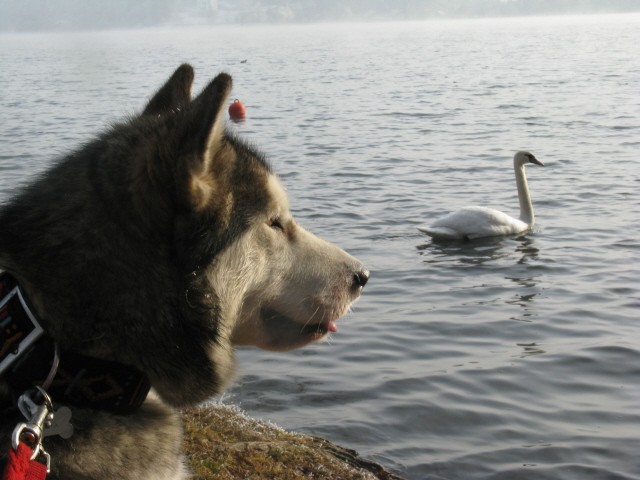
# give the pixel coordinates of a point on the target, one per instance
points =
(175, 93)
(205, 123)
(202, 135)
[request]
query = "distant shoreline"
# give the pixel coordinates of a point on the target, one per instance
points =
(170, 26)
(16, 18)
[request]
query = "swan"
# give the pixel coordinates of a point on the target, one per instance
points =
(477, 222)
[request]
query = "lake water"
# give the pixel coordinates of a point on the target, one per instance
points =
(508, 358)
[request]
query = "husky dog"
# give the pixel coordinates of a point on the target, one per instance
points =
(155, 249)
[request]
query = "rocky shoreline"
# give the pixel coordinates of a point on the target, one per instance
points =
(222, 443)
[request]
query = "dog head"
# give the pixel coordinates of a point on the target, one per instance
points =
(166, 241)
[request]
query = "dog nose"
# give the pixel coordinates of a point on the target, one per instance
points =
(361, 278)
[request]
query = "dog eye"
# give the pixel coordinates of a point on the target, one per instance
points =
(275, 223)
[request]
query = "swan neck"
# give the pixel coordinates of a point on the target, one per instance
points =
(526, 208)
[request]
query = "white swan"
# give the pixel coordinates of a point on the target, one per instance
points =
(477, 222)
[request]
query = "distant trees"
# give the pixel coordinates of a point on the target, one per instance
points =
(92, 14)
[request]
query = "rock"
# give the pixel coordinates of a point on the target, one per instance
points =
(222, 443)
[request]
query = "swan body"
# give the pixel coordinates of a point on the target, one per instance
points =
(477, 222)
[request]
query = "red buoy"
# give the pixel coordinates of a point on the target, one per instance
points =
(237, 110)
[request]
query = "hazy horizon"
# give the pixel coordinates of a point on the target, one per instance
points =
(71, 15)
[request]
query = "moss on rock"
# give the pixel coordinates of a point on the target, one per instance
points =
(223, 443)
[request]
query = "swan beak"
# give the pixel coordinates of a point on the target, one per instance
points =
(533, 159)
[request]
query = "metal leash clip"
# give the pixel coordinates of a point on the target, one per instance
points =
(38, 417)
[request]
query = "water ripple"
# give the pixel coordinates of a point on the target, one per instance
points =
(498, 359)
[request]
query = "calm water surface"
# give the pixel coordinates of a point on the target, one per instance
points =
(510, 358)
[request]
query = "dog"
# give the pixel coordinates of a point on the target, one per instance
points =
(138, 262)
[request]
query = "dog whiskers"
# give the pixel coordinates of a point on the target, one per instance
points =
(309, 320)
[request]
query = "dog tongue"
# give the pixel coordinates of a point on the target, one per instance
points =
(332, 327)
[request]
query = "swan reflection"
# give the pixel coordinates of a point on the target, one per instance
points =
(474, 265)
(481, 251)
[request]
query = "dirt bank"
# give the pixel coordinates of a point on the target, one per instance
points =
(223, 443)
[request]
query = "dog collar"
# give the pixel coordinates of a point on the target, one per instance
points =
(27, 354)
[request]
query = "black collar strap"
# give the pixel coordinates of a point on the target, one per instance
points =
(27, 353)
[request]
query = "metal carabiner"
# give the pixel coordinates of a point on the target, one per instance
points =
(31, 438)
(31, 432)
(47, 458)
(33, 441)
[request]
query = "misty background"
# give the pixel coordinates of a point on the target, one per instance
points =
(46, 15)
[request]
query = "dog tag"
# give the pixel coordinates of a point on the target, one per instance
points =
(60, 425)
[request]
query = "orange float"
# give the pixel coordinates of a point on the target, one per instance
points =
(237, 111)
